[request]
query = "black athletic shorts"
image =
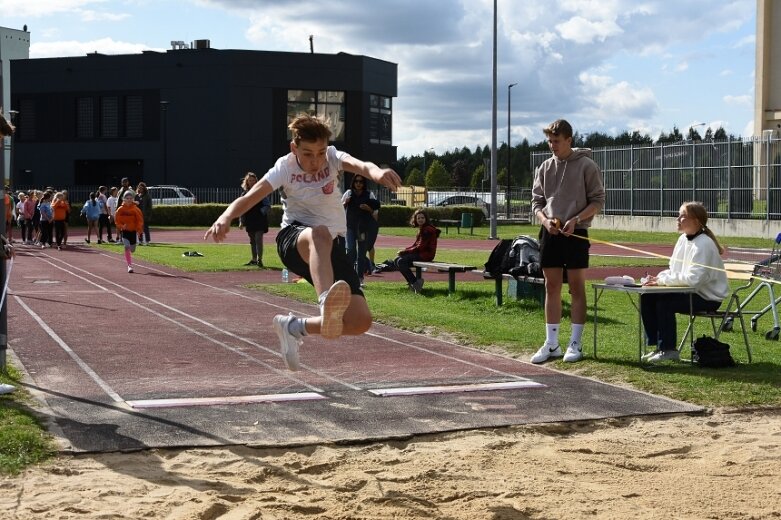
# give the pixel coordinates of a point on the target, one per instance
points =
(287, 238)
(564, 251)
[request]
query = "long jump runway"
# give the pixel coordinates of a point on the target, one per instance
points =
(162, 358)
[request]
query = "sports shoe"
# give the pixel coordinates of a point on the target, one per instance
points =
(332, 306)
(574, 352)
(130, 269)
(252, 262)
(546, 352)
(416, 286)
(288, 344)
(664, 355)
(649, 355)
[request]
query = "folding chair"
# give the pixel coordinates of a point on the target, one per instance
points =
(727, 315)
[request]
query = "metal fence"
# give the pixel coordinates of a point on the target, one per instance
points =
(738, 179)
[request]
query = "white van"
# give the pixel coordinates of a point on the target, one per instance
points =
(170, 195)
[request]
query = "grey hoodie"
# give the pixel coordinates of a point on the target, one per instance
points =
(563, 188)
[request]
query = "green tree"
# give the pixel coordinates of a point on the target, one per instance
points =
(477, 177)
(415, 178)
(437, 176)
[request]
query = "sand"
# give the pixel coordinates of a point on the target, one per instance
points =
(724, 464)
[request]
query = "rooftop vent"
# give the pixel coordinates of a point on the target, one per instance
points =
(201, 44)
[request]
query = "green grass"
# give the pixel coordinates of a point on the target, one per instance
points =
(471, 317)
(23, 441)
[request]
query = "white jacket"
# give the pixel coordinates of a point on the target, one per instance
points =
(697, 263)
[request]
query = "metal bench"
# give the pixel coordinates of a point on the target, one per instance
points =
(535, 285)
(442, 267)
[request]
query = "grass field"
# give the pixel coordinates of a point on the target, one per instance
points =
(471, 317)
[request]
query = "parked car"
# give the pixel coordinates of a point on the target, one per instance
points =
(170, 195)
(464, 200)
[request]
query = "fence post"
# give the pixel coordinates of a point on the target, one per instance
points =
(661, 179)
(631, 180)
(729, 177)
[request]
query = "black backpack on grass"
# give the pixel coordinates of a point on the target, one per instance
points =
(712, 353)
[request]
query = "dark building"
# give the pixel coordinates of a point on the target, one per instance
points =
(196, 117)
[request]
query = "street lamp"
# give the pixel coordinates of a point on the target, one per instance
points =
(424, 160)
(509, 151)
(692, 127)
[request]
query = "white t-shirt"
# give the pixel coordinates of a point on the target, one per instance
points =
(312, 200)
(111, 204)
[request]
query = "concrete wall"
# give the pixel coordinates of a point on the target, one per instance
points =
(721, 227)
(14, 45)
(767, 88)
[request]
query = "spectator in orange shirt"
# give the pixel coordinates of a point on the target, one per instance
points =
(130, 222)
(60, 210)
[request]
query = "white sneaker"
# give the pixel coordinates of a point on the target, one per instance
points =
(664, 355)
(130, 269)
(546, 352)
(332, 307)
(6, 389)
(649, 355)
(574, 352)
(288, 344)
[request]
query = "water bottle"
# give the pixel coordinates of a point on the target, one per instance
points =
(285, 275)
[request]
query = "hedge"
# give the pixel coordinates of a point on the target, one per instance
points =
(205, 214)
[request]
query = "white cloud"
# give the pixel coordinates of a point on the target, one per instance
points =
(609, 100)
(746, 41)
(98, 16)
(581, 30)
(39, 8)
(76, 48)
(744, 100)
(595, 61)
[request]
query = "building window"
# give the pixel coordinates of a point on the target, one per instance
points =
(134, 117)
(85, 118)
(327, 104)
(109, 117)
(380, 120)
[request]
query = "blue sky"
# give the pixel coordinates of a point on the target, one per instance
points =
(605, 65)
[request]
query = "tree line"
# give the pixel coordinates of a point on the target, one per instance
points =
(466, 168)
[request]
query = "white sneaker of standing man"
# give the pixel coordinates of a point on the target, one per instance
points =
(574, 352)
(545, 352)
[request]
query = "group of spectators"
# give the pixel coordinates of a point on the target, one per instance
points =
(43, 215)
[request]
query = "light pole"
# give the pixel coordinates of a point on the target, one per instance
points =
(164, 109)
(691, 130)
(492, 235)
(424, 160)
(509, 152)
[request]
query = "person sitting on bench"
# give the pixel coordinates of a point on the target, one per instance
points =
(423, 250)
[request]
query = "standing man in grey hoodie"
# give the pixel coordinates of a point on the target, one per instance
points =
(567, 192)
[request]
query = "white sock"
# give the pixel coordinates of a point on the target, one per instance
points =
(552, 333)
(577, 332)
(297, 327)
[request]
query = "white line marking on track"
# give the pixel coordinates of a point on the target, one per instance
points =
(451, 389)
(64, 346)
(179, 324)
(372, 334)
(236, 399)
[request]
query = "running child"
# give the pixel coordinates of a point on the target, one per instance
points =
(130, 222)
